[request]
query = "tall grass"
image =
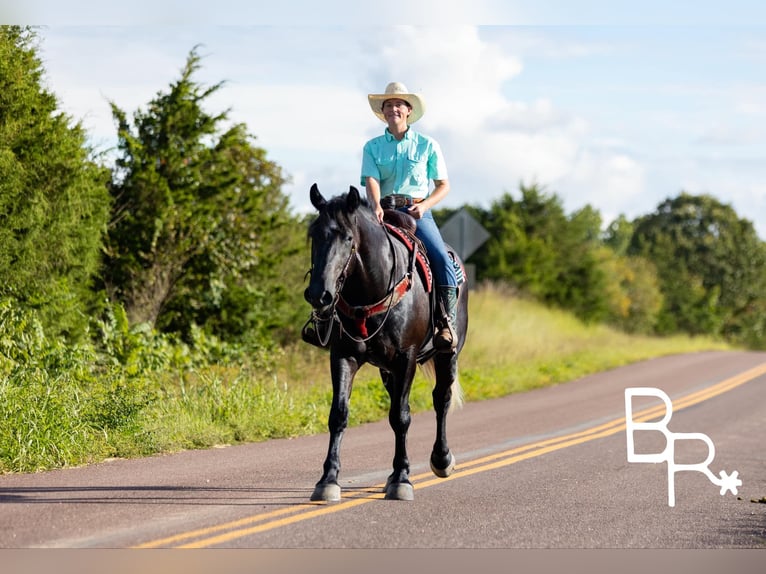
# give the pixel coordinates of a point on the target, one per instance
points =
(140, 394)
(515, 344)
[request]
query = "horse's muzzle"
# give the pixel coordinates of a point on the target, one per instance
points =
(318, 298)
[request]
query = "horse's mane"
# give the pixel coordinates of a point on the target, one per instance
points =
(336, 210)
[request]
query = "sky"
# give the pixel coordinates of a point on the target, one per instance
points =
(614, 105)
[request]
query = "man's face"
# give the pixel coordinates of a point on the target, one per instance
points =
(396, 109)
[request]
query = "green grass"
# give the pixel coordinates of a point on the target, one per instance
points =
(61, 411)
(515, 345)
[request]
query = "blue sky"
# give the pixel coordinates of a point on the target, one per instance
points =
(619, 106)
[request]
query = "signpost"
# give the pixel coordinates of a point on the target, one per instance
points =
(465, 235)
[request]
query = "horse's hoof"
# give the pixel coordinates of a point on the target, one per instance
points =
(446, 471)
(400, 491)
(326, 493)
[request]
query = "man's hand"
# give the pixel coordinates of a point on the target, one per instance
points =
(417, 210)
(372, 186)
(378, 212)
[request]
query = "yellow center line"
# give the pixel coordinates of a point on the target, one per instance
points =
(226, 532)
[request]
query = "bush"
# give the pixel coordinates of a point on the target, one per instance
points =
(64, 404)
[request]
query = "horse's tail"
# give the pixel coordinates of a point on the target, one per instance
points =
(457, 394)
(429, 372)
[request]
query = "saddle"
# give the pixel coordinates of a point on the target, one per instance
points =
(402, 226)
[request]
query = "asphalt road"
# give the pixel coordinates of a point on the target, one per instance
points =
(543, 469)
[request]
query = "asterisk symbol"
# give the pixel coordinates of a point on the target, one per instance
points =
(729, 482)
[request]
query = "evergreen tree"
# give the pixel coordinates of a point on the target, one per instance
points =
(54, 202)
(200, 224)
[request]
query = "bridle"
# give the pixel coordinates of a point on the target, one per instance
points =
(361, 313)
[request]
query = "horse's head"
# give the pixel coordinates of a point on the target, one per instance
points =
(334, 240)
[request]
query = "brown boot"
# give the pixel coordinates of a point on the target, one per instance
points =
(445, 338)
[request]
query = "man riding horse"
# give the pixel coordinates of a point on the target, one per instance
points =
(397, 168)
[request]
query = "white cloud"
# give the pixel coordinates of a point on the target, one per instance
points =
(495, 98)
(535, 117)
(460, 75)
(318, 119)
(721, 134)
(490, 142)
(608, 181)
(493, 143)
(751, 101)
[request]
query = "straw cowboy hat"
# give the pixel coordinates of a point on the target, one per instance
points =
(399, 91)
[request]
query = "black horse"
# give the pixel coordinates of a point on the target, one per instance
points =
(372, 304)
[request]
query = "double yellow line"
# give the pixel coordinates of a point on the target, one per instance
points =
(226, 532)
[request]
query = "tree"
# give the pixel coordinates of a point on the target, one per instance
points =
(631, 290)
(618, 235)
(54, 202)
(536, 247)
(636, 302)
(711, 265)
(522, 237)
(199, 220)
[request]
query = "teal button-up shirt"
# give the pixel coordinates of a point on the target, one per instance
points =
(405, 166)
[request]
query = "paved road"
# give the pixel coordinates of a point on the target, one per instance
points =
(543, 469)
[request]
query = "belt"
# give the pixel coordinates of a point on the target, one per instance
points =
(396, 200)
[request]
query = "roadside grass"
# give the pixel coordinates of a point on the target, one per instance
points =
(513, 345)
(60, 410)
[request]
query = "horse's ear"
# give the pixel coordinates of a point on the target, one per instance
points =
(354, 200)
(317, 199)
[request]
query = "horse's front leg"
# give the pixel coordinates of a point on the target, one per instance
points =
(398, 485)
(343, 370)
(445, 368)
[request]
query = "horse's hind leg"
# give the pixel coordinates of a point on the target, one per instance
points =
(445, 367)
(343, 371)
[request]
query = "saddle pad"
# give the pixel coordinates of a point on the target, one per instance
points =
(421, 259)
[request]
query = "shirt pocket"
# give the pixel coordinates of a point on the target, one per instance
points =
(386, 163)
(416, 167)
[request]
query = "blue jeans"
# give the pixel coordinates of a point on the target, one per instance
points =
(441, 263)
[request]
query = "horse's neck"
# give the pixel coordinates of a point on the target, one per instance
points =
(370, 231)
(376, 255)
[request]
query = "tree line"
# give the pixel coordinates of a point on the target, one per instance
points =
(691, 266)
(186, 232)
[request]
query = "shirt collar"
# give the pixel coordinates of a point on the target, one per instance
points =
(407, 134)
